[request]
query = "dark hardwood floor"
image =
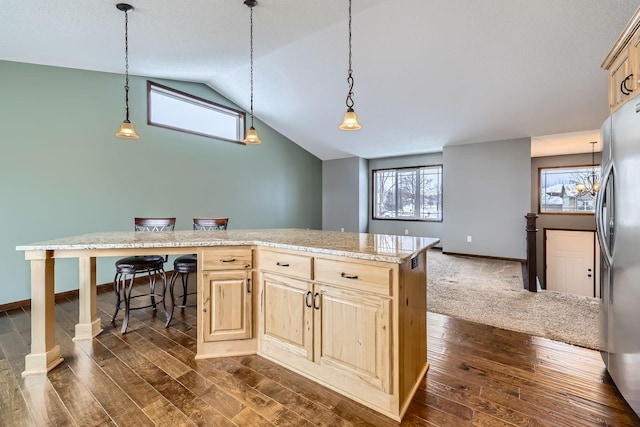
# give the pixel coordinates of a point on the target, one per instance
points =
(479, 375)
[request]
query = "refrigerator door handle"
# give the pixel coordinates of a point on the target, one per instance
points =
(600, 225)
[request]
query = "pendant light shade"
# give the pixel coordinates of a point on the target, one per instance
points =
(350, 120)
(127, 131)
(251, 136)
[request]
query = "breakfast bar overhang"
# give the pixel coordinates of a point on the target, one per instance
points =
(347, 310)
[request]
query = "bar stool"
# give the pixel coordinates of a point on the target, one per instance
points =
(186, 264)
(133, 265)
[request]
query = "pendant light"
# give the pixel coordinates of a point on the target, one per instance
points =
(251, 137)
(350, 121)
(591, 185)
(127, 130)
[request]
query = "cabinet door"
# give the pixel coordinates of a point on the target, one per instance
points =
(352, 334)
(227, 305)
(287, 314)
(621, 81)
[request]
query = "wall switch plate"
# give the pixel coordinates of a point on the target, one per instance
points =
(406, 232)
(469, 239)
(342, 229)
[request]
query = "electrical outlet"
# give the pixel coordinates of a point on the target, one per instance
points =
(342, 229)
(469, 239)
(406, 232)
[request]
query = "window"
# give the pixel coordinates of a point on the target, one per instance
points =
(408, 193)
(172, 109)
(558, 192)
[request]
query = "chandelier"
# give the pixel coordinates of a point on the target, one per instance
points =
(591, 185)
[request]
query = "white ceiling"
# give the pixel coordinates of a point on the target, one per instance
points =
(428, 73)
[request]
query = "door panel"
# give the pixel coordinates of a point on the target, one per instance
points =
(287, 314)
(352, 334)
(570, 262)
(226, 296)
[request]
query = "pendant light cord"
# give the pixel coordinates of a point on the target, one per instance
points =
(251, 58)
(126, 62)
(349, 100)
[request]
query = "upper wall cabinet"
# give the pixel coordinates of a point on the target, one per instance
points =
(623, 64)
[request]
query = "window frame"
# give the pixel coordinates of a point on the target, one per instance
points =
(196, 100)
(539, 192)
(416, 168)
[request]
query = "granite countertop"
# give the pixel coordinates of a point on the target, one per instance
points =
(375, 247)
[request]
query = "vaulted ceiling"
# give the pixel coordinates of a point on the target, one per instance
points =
(428, 73)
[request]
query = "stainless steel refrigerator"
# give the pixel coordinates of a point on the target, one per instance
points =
(618, 228)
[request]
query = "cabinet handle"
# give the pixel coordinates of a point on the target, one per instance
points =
(228, 260)
(248, 286)
(622, 88)
(316, 306)
(282, 264)
(348, 276)
(306, 299)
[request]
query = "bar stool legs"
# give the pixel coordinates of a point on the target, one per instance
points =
(182, 266)
(123, 293)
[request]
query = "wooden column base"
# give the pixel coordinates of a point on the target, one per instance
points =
(41, 363)
(87, 331)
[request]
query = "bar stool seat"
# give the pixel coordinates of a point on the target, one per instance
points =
(134, 264)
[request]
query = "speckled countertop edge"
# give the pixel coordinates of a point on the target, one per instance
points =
(374, 247)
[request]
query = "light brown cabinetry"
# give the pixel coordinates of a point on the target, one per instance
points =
(227, 305)
(225, 301)
(623, 64)
(353, 333)
(286, 315)
(341, 323)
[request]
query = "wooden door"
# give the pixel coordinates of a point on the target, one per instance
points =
(352, 334)
(287, 316)
(570, 262)
(227, 305)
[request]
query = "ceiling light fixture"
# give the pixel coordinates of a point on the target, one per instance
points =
(251, 137)
(591, 185)
(127, 130)
(350, 120)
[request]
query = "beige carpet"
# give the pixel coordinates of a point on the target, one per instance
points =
(491, 292)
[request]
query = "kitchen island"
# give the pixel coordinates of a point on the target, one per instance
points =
(347, 310)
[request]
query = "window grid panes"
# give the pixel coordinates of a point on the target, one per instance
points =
(180, 111)
(408, 193)
(558, 193)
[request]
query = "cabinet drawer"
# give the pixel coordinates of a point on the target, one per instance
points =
(286, 263)
(370, 278)
(227, 259)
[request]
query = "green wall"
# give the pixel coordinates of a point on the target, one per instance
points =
(63, 172)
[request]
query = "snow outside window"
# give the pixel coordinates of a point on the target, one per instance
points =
(408, 193)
